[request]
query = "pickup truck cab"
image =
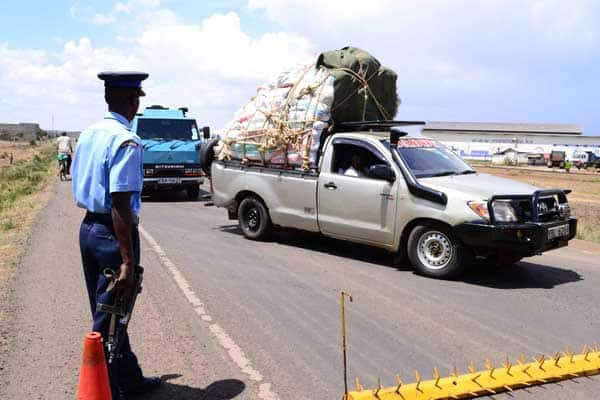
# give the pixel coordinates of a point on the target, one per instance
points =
(407, 194)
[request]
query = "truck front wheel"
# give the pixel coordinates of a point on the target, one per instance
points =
(434, 251)
(255, 222)
(193, 192)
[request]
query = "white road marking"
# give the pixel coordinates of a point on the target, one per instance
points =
(235, 352)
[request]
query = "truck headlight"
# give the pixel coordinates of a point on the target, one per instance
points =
(503, 210)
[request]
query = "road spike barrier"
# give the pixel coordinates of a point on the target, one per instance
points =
(490, 381)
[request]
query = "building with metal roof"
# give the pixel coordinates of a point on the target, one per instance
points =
(481, 140)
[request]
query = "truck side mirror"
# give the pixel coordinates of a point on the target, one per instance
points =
(206, 132)
(382, 171)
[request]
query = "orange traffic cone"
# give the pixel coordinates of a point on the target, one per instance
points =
(93, 379)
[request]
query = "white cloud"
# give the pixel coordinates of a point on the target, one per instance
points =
(574, 22)
(213, 68)
(103, 19)
(459, 60)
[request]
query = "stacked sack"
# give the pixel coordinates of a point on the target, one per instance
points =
(284, 123)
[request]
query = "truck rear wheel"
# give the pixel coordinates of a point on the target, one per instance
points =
(434, 251)
(254, 219)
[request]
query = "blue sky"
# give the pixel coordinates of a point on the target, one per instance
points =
(462, 60)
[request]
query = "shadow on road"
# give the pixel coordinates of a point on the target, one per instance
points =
(173, 197)
(519, 276)
(523, 275)
(317, 242)
(219, 390)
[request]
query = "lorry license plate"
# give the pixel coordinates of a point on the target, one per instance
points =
(558, 231)
(169, 180)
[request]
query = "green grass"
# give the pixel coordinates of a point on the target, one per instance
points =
(7, 225)
(24, 177)
(589, 232)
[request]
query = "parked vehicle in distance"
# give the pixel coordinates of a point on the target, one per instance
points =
(580, 159)
(557, 159)
(172, 146)
(594, 160)
(407, 194)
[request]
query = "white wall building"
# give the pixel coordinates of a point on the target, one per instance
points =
(477, 140)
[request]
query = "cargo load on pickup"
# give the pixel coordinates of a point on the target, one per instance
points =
(285, 123)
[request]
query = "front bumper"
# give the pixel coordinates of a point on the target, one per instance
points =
(519, 239)
(164, 184)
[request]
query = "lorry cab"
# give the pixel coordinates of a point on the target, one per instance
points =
(172, 145)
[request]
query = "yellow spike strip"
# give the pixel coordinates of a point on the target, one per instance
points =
(359, 387)
(400, 383)
(454, 371)
(488, 365)
(378, 388)
(541, 362)
(472, 367)
(478, 383)
(556, 359)
(418, 377)
(507, 365)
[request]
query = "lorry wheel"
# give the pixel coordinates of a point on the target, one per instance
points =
(254, 219)
(435, 251)
(193, 192)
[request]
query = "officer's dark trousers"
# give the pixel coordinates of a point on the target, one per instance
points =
(100, 250)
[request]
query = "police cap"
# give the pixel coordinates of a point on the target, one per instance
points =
(124, 80)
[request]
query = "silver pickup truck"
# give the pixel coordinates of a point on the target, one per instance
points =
(407, 194)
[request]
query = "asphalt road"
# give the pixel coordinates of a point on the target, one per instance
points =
(223, 317)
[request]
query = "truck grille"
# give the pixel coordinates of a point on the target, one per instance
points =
(548, 209)
(542, 206)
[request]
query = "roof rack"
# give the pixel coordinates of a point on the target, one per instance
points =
(376, 126)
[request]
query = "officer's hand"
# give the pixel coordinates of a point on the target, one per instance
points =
(126, 283)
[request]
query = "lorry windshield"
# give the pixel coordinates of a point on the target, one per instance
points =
(168, 129)
(427, 158)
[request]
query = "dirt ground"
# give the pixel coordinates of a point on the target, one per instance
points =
(584, 198)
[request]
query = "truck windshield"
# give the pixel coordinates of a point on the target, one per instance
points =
(168, 129)
(427, 158)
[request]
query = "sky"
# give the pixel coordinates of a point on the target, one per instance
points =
(531, 61)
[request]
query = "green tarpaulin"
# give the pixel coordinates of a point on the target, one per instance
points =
(364, 90)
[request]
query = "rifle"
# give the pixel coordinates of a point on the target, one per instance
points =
(120, 311)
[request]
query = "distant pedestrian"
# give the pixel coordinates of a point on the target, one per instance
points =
(107, 182)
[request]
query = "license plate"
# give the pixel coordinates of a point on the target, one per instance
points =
(169, 180)
(558, 231)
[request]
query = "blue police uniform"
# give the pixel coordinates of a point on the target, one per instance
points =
(108, 159)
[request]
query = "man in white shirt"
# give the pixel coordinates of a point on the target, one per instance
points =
(355, 169)
(63, 145)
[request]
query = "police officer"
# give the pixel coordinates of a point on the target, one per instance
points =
(107, 182)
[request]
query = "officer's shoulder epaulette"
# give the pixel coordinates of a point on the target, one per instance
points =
(131, 143)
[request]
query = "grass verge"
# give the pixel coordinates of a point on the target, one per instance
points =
(21, 197)
(24, 178)
(588, 232)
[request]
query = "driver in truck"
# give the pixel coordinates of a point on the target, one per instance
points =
(355, 168)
